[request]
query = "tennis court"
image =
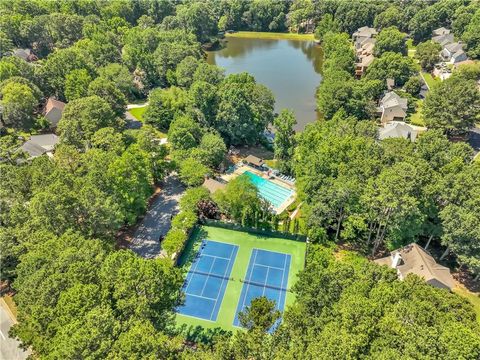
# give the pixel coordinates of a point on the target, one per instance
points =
(267, 275)
(207, 279)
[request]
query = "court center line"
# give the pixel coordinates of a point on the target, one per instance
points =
(223, 279)
(202, 297)
(265, 283)
(249, 279)
(208, 277)
(268, 266)
(281, 286)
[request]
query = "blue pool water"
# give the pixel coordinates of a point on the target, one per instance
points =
(273, 193)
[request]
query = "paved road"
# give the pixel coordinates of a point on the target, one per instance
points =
(156, 222)
(9, 349)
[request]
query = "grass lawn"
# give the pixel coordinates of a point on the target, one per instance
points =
(271, 35)
(272, 163)
(431, 81)
(470, 296)
(246, 242)
(11, 305)
(138, 112)
(411, 48)
(417, 118)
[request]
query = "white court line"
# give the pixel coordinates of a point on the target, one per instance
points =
(223, 279)
(208, 277)
(281, 285)
(202, 297)
(273, 267)
(265, 283)
(249, 279)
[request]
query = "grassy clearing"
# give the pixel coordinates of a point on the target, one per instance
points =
(271, 163)
(417, 117)
(474, 298)
(137, 113)
(411, 48)
(271, 35)
(11, 304)
(246, 242)
(431, 81)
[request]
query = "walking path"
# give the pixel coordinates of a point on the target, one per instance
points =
(157, 220)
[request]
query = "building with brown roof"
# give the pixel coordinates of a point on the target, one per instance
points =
(213, 185)
(53, 111)
(413, 259)
(253, 160)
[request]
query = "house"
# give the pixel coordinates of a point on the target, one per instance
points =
(213, 185)
(254, 161)
(413, 259)
(392, 107)
(461, 63)
(53, 111)
(390, 84)
(459, 56)
(40, 144)
(399, 129)
(441, 31)
(451, 49)
(362, 34)
(25, 54)
(366, 47)
(443, 39)
(361, 67)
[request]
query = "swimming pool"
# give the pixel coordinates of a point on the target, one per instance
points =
(273, 193)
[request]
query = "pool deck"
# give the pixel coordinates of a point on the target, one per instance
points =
(240, 170)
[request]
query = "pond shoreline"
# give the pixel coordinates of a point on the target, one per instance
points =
(270, 35)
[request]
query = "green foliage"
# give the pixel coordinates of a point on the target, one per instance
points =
(18, 103)
(76, 84)
(245, 109)
(120, 76)
(192, 172)
(81, 118)
(260, 314)
(184, 133)
(471, 36)
(284, 143)
(326, 25)
(211, 151)
(192, 197)
(391, 65)
(413, 86)
(428, 54)
(108, 91)
(240, 200)
(164, 105)
(14, 66)
(453, 105)
(391, 16)
(185, 71)
(390, 40)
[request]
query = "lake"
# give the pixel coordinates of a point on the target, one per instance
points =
(290, 68)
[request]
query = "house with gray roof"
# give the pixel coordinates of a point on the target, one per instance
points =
(40, 144)
(399, 129)
(443, 39)
(413, 259)
(450, 49)
(392, 108)
(25, 54)
(441, 31)
(362, 34)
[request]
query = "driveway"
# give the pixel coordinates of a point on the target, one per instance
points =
(156, 223)
(9, 349)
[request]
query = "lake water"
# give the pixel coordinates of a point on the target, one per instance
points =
(290, 68)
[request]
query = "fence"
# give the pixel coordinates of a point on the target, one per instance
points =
(267, 232)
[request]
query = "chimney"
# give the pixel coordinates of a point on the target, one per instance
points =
(396, 259)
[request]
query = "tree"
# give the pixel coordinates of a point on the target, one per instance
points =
(18, 103)
(164, 105)
(185, 71)
(390, 40)
(184, 133)
(453, 105)
(284, 143)
(204, 97)
(14, 66)
(108, 91)
(422, 24)
(392, 16)
(120, 76)
(391, 65)
(326, 24)
(211, 151)
(82, 118)
(197, 18)
(245, 108)
(413, 86)
(239, 200)
(76, 84)
(260, 314)
(300, 13)
(192, 172)
(471, 36)
(428, 53)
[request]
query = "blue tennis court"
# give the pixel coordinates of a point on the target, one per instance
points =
(267, 275)
(207, 280)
